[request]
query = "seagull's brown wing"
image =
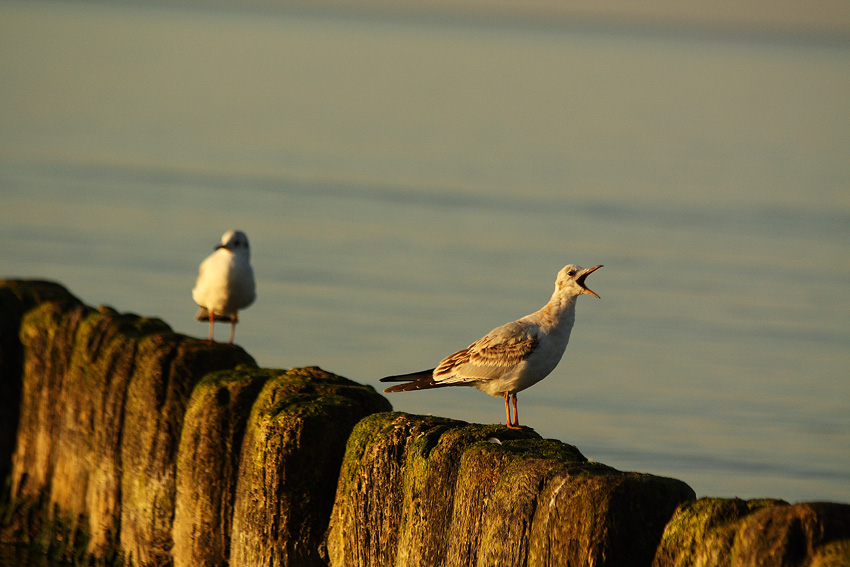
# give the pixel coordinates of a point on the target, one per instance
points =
(489, 357)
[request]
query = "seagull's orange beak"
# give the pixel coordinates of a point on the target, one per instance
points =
(583, 276)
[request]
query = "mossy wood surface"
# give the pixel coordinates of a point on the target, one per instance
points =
(756, 533)
(122, 442)
(102, 401)
(419, 490)
(291, 457)
(207, 464)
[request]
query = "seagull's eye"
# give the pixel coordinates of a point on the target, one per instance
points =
(571, 273)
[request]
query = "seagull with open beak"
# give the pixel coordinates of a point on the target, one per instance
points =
(514, 356)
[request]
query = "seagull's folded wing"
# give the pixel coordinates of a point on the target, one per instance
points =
(491, 356)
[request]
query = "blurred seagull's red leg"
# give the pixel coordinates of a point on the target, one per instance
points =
(516, 414)
(233, 319)
(212, 322)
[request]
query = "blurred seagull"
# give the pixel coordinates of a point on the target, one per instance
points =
(514, 356)
(225, 282)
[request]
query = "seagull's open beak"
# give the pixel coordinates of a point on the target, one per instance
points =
(583, 277)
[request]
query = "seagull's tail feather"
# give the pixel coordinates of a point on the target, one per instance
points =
(408, 377)
(414, 381)
(204, 315)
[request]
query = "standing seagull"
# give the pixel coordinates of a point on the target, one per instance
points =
(225, 282)
(514, 356)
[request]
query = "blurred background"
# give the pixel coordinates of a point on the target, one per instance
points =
(411, 175)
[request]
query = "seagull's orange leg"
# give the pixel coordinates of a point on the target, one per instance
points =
(233, 319)
(515, 423)
(212, 322)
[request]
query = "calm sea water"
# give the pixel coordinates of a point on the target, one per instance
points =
(410, 183)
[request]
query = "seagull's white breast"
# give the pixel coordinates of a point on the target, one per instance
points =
(225, 283)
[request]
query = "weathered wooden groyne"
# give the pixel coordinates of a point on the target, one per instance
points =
(122, 442)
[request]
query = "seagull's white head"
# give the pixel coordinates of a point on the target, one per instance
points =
(571, 280)
(236, 242)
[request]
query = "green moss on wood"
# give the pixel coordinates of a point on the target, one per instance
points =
(208, 461)
(418, 490)
(705, 524)
(764, 532)
(140, 445)
(16, 298)
(291, 456)
(103, 399)
(167, 369)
